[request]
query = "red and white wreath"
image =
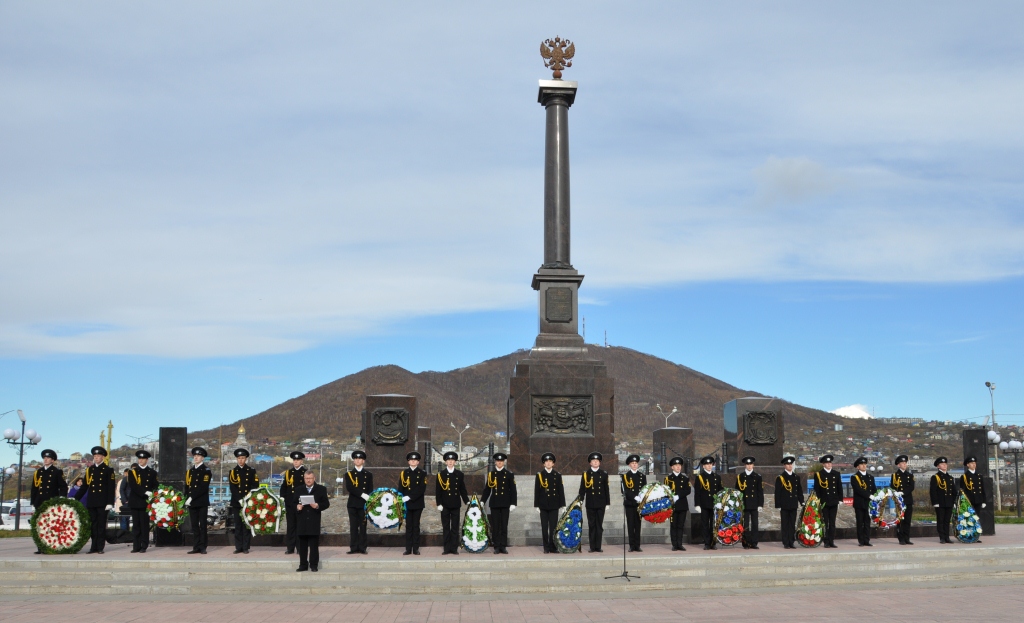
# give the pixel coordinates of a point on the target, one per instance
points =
(166, 508)
(60, 526)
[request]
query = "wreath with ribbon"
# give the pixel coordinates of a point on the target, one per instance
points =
(569, 529)
(60, 526)
(729, 516)
(385, 508)
(811, 528)
(476, 532)
(886, 508)
(967, 525)
(166, 508)
(262, 510)
(655, 503)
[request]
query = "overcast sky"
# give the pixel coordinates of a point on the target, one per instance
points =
(196, 187)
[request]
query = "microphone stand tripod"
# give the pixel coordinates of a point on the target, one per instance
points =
(625, 574)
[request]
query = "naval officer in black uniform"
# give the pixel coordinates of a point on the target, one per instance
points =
(412, 483)
(100, 483)
(943, 496)
(242, 479)
(142, 482)
(630, 484)
(449, 494)
(706, 484)
(197, 499)
(751, 485)
(789, 497)
(359, 486)
(292, 480)
(548, 497)
(500, 491)
(828, 485)
(863, 485)
(597, 498)
(973, 485)
(48, 481)
(679, 482)
(903, 481)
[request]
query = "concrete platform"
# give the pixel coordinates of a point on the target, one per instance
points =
(525, 573)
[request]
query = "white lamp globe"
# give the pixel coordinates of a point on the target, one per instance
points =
(10, 434)
(1016, 445)
(992, 435)
(37, 438)
(30, 433)
(9, 471)
(338, 480)
(1003, 445)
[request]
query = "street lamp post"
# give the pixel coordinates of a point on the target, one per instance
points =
(14, 439)
(460, 435)
(1015, 447)
(666, 415)
(995, 451)
(4, 477)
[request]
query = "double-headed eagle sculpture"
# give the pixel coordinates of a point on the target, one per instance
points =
(557, 54)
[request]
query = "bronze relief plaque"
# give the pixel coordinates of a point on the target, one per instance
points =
(760, 428)
(390, 426)
(558, 304)
(570, 416)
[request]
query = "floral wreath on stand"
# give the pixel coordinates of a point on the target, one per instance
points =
(967, 525)
(729, 516)
(60, 526)
(476, 531)
(887, 508)
(166, 508)
(811, 527)
(655, 504)
(569, 529)
(261, 510)
(385, 508)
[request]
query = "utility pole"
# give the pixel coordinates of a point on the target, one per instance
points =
(995, 451)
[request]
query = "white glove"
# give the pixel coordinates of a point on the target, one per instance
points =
(188, 502)
(440, 508)
(511, 508)
(675, 498)
(760, 508)
(109, 507)
(637, 498)
(984, 505)
(696, 509)
(936, 506)
(406, 498)
(365, 496)
(149, 494)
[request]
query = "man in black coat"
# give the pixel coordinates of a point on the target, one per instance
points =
(828, 485)
(99, 483)
(142, 482)
(973, 485)
(679, 482)
(48, 481)
(412, 483)
(197, 499)
(449, 494)
(863, 485)
(597, 498)
(500, 491)
(789, 497)
(903, 481)
(291, 480)
(706, 484)
(943, 497)
(241, 479)
(548, 497)
(751, 485)
(307, 519)
(630, 484)
(359, 486)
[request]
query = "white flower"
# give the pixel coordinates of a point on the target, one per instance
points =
(473, 513)
(260, 496)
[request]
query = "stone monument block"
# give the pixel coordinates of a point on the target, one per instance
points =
(754, 427)
(389, 430)
(677, 442)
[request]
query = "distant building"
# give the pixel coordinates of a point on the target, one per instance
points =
(228, 449)
(900, 420)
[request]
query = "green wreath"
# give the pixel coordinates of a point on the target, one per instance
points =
(60, 526)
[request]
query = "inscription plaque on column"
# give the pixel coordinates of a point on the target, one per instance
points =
(390, 426)
(559, 304)
(558, 416)
(759, 428)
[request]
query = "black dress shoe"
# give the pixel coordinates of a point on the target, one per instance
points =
(639, 549)
(289, 551)
(247, 550)
(754, 547)
(599, 550)
(238, 551)
(675, 549)
(203, 552)
(99, 551)
(682, 549)
(504, 551)
(407, 553)
(707, 547)
(303, 569)
(415, 552)
(908, 542)
(195, 551)
(868, 545)
(497, 551)
(136, 550)
(455, 553)
(352, 551)
(314, 569)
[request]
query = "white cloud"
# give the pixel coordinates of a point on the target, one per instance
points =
(202, 181)
(856, 411)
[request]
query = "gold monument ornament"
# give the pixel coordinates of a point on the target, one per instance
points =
(557, 54)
